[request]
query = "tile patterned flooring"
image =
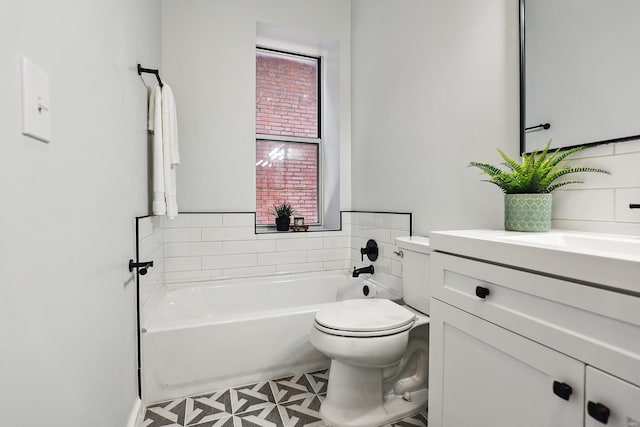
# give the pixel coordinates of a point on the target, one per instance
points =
(292, 401)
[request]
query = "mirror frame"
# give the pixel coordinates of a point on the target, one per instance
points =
(523, 97)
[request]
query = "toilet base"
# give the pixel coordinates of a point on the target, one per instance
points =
(355, 399)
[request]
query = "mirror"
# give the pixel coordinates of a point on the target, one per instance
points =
(579, 72)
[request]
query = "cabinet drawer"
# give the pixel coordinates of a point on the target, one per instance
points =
(591, 324)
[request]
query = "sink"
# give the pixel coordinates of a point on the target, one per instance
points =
(609, 245)
(608, 260)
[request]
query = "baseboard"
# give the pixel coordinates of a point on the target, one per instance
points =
(136, 413)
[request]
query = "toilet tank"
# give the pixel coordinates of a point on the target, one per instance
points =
(415, 271)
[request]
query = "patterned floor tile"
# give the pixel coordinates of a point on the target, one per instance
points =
(418, 420)
(293, 401)
(295, 387)
(166, 414)
(263, 415)
(303, 412)
(251, 397)
(208, 407)
(227, 421)
(319, 380)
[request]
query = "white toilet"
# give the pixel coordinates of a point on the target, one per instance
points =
(379, 350)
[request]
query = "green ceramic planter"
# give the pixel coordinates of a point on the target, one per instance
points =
(527, 212)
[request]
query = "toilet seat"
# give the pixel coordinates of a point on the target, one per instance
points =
(364, 318)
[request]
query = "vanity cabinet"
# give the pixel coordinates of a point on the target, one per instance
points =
(511, 347)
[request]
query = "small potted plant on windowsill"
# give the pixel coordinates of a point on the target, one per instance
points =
(283, 213)
(528, 186)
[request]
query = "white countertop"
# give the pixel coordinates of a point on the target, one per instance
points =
(603, 259)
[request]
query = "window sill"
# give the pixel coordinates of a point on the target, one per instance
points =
(261, 229)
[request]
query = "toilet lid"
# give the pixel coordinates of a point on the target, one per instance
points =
(364, 317)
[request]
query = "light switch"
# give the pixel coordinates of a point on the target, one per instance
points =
(36, 102)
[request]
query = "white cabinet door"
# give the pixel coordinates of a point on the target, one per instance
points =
(482, 375)
(610, 401)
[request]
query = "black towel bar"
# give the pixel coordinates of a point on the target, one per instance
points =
(141, 70)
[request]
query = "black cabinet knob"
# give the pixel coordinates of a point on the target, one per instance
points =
(562, 390)
(598, 412)
(482, 292)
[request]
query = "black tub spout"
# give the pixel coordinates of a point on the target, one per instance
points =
(364, 270)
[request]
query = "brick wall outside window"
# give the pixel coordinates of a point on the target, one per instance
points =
(286, 172)
(286, 105)
(286, 100)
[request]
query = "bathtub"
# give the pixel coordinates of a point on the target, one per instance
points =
(208, 336)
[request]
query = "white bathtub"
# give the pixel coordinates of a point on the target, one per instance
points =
(207, 336)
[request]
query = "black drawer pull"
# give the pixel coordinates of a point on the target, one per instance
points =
(598, 411)
(482, 292)
(562, 390)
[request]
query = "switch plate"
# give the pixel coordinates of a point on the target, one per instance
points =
(36, 102)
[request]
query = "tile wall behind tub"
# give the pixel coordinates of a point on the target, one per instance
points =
(150, 247)
(211, 246)
(383, 228)
(601, 204)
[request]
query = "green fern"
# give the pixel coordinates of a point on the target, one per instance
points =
(535, 174)
(282, 210)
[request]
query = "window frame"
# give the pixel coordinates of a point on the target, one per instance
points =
(300, 139)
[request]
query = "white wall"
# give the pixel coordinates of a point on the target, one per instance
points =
(435, 85)
(209, 60)
(68, 301)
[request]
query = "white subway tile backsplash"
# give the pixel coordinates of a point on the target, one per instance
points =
(627, 147)
(397, 221)
(592, 205)
(627, 228)
(263, 270)
(150, 244)
(348, 217)
(299, 268)
(328, 254)
(148, 225)
(623, 169)
(394, 234)
(182, 235)
(390, 281)
(625, 197)
(228, 233)
(200, 247)
(299, 244)
(248, 246)
(343, 264)
(377, 234)
(336, 242)
(381, 265)
(396, 268)
(292, 257)
(182, 264)
(229, 261)
(192, 276)
(367, 218)
(192, 249)
(386, 250)
(186, 220)
(238, 220)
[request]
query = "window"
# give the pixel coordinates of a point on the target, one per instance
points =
(288, 143)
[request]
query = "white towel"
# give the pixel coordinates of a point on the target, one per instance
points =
(152, 98)
(170, 149)
(155, 125)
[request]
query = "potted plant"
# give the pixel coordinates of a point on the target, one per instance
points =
(283, 213)
(528, 186)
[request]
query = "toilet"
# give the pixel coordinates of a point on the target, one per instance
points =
(379, 349)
